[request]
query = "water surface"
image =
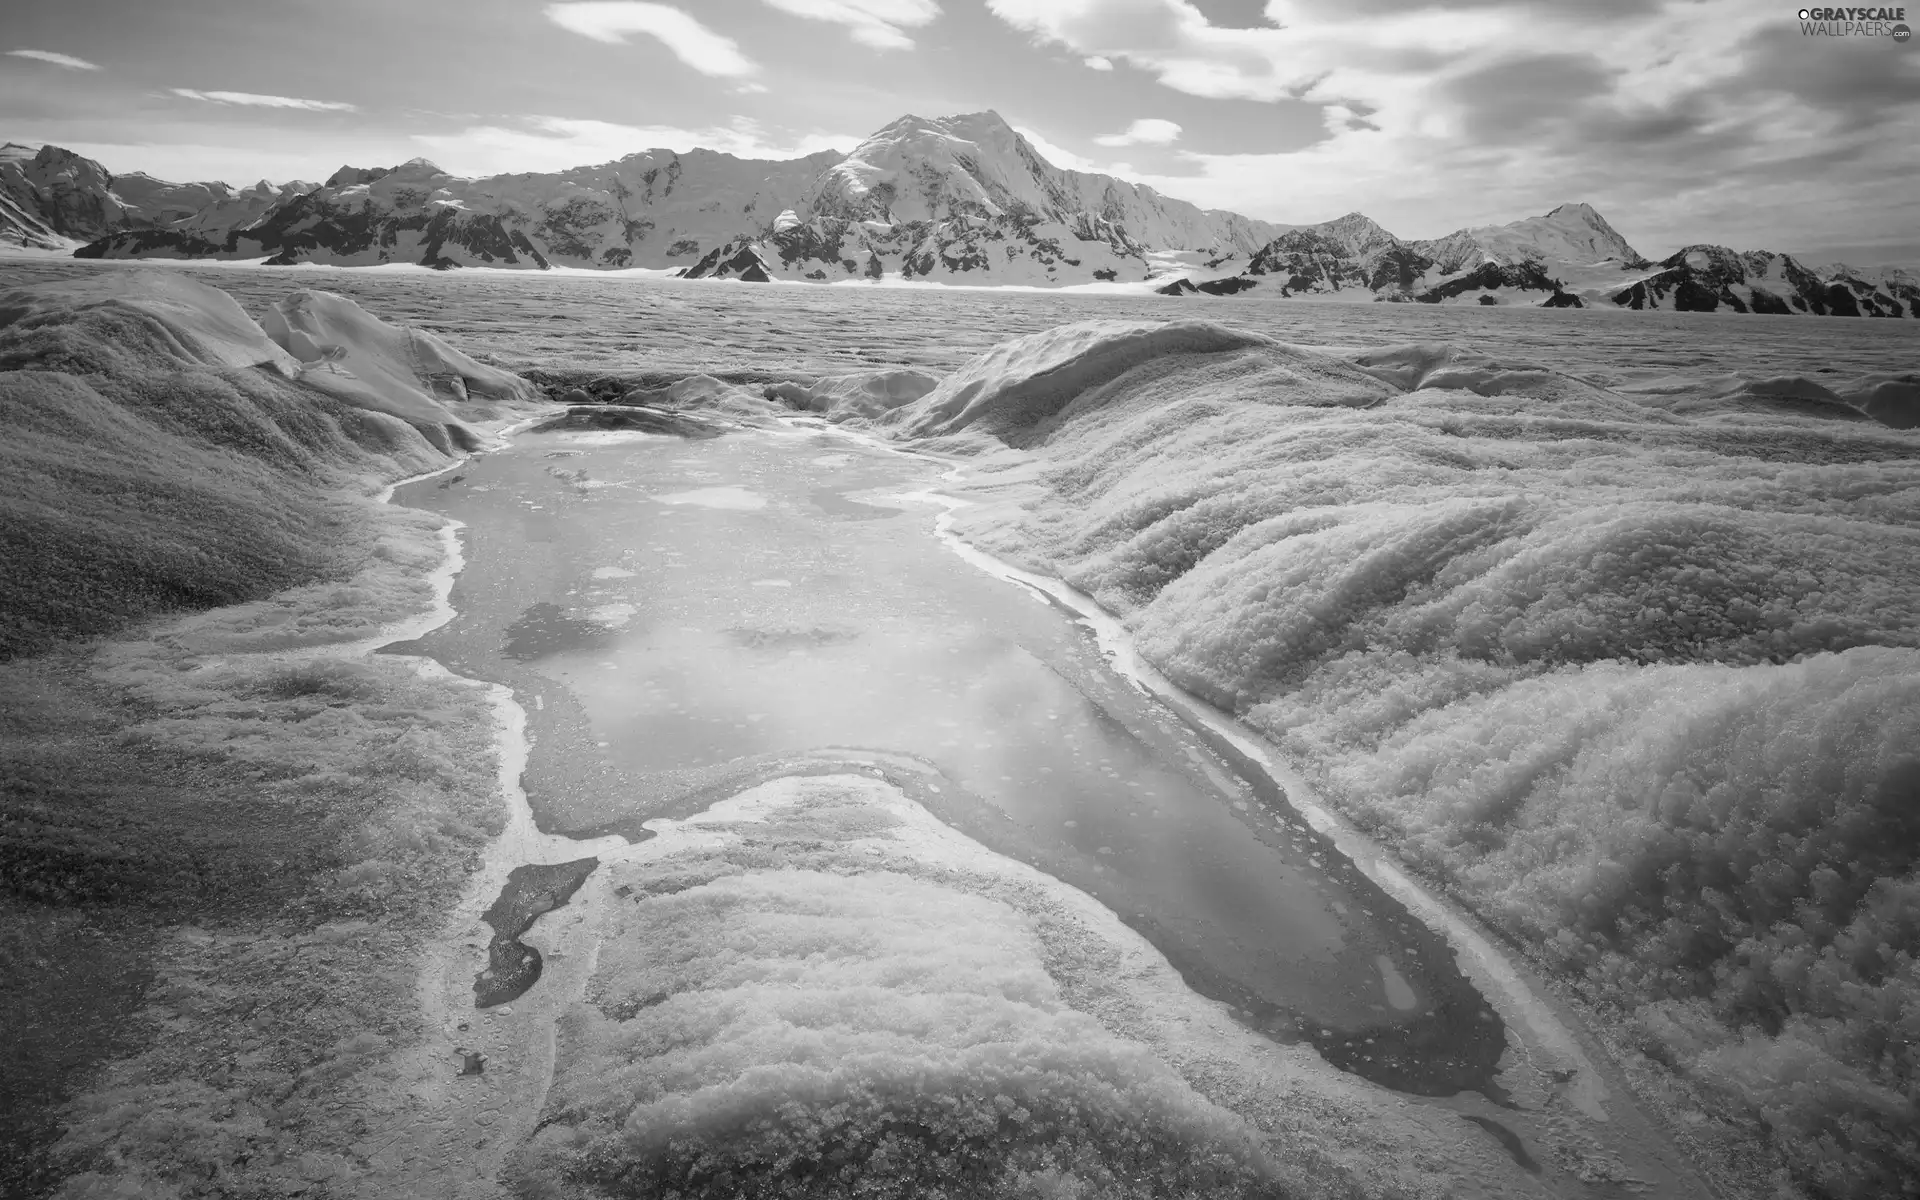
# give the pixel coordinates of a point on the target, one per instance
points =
(684, 618)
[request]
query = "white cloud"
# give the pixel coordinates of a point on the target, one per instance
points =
(691, 42)
(1060, 156)
(59, 60)
(1098, 63)
(255, 100)
(1711, 119)
(1148, 131)
(557, 143)
(881, 24)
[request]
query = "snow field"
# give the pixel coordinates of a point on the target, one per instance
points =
(1643, 691)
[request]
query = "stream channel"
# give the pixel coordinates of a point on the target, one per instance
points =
(682, 619)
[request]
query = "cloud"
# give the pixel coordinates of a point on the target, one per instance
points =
(877, 23)
(1713, 119)
(1098, 63)
(59, 60)
(691, 42)
(1148, 131)
(255, 100)
(544, 143)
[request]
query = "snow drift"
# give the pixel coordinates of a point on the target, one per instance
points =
(163, 453)
(1020, 389)
(349, 353)
(1635, 676)
(814, 988)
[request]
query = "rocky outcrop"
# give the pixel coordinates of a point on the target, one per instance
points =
(54, 199)
(1568, 258)
(1714, 278)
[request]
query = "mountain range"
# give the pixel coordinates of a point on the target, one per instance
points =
(961, 199)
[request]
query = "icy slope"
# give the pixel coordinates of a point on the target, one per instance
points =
(1637, 676)
(1016, 390)
(345, 351)
(148, 465)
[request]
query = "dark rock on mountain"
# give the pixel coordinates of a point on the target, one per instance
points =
(1712, 278)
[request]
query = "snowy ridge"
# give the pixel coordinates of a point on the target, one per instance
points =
(958, 199)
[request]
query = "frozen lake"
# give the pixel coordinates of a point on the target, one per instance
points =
(683, 619)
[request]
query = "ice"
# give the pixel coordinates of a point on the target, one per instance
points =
(869, 394)
(1635, 673)
(206, 322)
(1022, 383)
(736, 499)
(348, 352)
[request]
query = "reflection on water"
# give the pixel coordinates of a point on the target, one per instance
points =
(750, 616)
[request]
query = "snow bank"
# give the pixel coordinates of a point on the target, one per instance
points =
(867, 395)
(703, 392)
(815, 988)
(350, 353)
(147, 467)
(1892, 400)
(1637, 680)
(1013, 389)
(190, 321)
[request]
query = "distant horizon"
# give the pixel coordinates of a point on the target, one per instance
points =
(1708, 120)
(1910, 263)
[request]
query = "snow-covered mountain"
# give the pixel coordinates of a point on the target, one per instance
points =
(654, 209)
(54, 199)
(958, 197)
(954, 199)
(1710, 278)
(1569, 258)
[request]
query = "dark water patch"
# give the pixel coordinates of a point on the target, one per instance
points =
(533, 889)
(1508, 1139)
(545, 629)
(630, 419)
(836, 504)
(1454, 1046)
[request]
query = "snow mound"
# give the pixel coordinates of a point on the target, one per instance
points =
(703, 392)
(206, 325)
(818, 971)
(1635, 675)
(1892, 400)
(1424, 367)
(1013, 389)
(866, 395)
(347, 352)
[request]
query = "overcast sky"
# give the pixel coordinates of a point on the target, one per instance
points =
(1680, 120)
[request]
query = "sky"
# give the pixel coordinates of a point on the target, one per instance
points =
(1679, 120)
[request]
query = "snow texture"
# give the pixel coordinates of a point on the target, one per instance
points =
(347, 352)
(1635, 675)
(815, 989)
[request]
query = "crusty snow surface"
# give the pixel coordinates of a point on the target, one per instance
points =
(1635, 673)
